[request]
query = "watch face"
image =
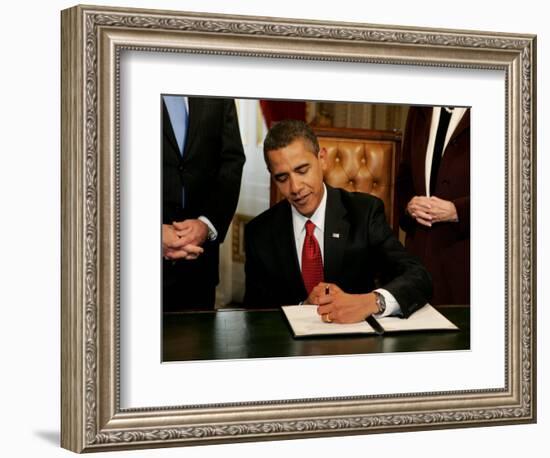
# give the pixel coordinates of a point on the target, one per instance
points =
(381, 303)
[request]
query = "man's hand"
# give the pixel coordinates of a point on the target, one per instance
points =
(429, 210)
(170, 239)
(442, 210)
(174, 247)
(419, 208)
(341, 307)
(191, 231)
(188, 252)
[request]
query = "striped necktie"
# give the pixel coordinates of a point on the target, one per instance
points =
(312, 263)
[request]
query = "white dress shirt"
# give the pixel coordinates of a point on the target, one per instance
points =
(318, 219)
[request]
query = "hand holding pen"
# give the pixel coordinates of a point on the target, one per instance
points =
(335, 305)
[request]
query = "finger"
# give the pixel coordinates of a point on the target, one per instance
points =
(330, 288)
(323, 309)
(180, 225)
(421, 202)
(319, 289)
(331, 317)
(325, 299)
(191, 257)
(424, 222)
(183, 232)
(191, 238)
(176, 254)
(169, 239)
(182, 242)
(194, 249)
(171, 244)
(422, 214)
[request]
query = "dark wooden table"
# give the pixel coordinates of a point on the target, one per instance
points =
(236, 334)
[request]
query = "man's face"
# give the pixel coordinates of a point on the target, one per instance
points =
(298, 174)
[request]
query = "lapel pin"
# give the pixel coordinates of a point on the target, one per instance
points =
(335, 235)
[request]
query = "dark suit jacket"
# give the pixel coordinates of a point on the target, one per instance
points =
(366, 248)
(209, 172)
(445, 247)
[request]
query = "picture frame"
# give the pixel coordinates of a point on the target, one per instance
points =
(93, 39)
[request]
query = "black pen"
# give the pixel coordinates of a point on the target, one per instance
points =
(327, 290)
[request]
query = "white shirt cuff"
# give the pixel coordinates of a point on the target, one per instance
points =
(212, 232)
(392, 306)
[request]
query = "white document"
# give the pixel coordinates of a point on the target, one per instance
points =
(305, 321)
(425, 319)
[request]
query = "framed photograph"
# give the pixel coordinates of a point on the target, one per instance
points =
(360, 153)
(117, 393)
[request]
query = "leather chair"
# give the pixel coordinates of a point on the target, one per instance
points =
(361, 160)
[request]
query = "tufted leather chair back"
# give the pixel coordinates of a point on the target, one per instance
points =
(361, 160)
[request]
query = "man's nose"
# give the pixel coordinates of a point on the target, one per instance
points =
(295, 185)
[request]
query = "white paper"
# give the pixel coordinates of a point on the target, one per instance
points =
(426, 318)
(305, 321)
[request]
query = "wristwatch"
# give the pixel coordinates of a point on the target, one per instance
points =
(380, 302)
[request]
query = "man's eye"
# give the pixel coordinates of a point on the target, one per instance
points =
(303, 171)
(281, 178)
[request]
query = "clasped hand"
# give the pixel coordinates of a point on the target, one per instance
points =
(184, 239)
(341, 307)
(429, 210)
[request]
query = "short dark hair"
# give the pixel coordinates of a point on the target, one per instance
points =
(283, 133)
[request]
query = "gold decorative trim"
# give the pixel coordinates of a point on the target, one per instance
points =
(237, 239)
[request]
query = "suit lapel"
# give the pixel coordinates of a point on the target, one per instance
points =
(419, 166)
(336, 234)
(195, 108)
(461, 128)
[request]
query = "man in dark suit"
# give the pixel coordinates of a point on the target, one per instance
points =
(325, 246)
(433, 195)
(202, 161)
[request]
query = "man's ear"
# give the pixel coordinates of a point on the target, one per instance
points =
(323, 158)
(267, 164)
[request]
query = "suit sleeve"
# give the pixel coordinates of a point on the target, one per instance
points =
(255, 289)
(403, 275)
(221, 206)
(462, 205)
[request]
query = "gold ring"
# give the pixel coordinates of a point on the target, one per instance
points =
(326, 318)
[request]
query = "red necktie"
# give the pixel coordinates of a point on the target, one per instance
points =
(312, 264)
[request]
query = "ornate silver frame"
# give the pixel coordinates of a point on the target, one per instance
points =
(92, 38)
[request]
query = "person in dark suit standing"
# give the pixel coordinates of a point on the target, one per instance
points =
(325, 246)
(202, 161)
(433, 195)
